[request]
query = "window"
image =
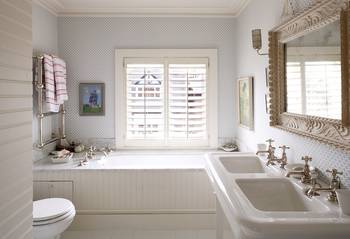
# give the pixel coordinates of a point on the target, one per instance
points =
(166, 98)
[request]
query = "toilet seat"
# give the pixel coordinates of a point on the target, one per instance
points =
(51, 217)
(51, 208)
(53, 230)
(53, 220)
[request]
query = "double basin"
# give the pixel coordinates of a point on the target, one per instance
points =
(260, 203)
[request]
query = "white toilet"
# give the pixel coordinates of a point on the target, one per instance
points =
(51, 217)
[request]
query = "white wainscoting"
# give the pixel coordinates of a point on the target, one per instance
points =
(120, 191)
(153, 198)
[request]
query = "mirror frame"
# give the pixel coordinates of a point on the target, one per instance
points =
(329, 131)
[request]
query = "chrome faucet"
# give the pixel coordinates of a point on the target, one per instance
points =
(106, 150)
(305, 174)
(270, 153)
(334, 185)
(283, 160)
(91, 152)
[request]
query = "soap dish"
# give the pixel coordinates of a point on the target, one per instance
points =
(229, 147)
(64, 159)
(343, 196)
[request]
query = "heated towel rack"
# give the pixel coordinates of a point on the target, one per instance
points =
(39, 86)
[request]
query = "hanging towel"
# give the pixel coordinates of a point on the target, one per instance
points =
(60, 76)
(50, 87)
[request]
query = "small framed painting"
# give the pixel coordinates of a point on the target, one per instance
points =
(245, 102)
(92, 99)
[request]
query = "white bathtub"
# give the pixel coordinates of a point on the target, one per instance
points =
(133, 160)
(130, 182)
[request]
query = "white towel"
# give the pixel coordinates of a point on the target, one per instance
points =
(50, 87)
(60, 76)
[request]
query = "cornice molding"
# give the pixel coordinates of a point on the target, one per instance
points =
(151, 12)
(57, 8)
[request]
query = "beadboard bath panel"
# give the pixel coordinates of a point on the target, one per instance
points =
(105, 192)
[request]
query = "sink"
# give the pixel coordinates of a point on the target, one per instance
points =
(242, 164)
(272, 194)
(259, 202)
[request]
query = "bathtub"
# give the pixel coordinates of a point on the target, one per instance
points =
(142, 184)
(132, 160)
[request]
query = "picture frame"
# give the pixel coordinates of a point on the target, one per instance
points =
(267, 72)
(266, 104)
(91, 99)
(245, 102)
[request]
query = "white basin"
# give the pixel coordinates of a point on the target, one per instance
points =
(272, 194)
(242, 164)
(259, 202)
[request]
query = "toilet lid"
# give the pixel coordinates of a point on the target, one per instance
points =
(49, 208)
(68, 215)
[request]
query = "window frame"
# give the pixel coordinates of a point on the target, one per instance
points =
(121, 97)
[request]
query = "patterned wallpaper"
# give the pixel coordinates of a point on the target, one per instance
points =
(249, 63)
(88, 45)
(44, 41)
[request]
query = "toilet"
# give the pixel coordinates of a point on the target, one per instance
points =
(51, 217)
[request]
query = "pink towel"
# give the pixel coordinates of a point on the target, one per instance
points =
(50, 86)
(60, 76)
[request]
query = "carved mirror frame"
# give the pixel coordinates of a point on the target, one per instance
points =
(329, 131)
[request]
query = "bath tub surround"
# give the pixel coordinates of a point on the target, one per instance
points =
(149, 184)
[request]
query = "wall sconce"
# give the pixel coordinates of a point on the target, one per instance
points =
(257, 43)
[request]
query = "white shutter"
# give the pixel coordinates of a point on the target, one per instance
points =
(187, 101)
(145, 101)
(166, 101)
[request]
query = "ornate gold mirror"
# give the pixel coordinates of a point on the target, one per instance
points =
(309, 74)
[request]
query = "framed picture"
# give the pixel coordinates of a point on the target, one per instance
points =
(91, 99)
(245, 102)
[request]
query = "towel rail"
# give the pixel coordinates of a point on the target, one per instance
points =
(39, 86)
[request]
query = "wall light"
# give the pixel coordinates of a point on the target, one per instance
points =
(257, 43)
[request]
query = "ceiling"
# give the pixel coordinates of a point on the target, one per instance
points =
(144, 7)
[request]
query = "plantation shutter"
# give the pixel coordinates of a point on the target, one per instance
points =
(187, 101)
(166, 100)
(145, 101)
